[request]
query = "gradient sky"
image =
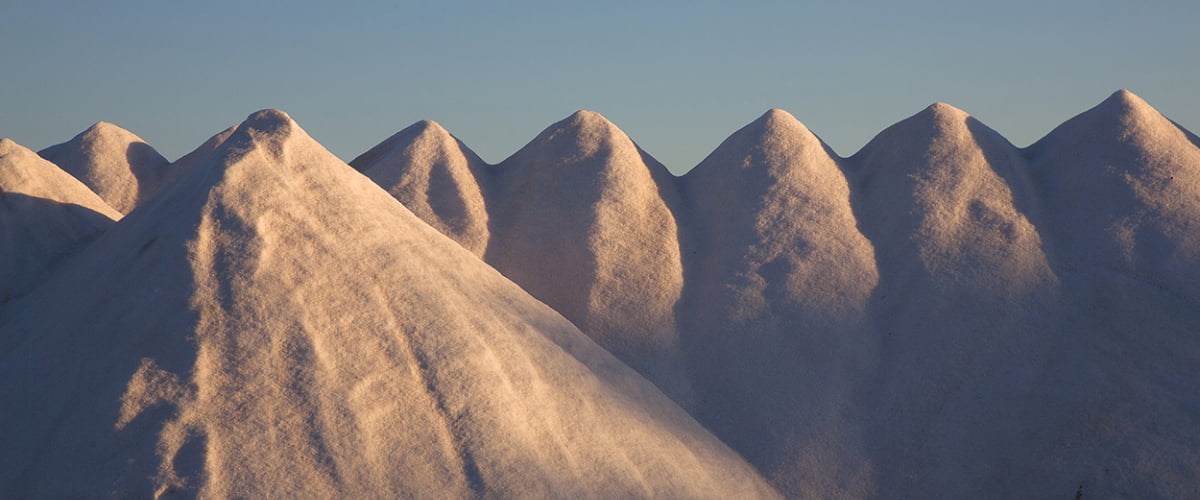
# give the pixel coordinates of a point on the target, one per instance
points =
(678, 77)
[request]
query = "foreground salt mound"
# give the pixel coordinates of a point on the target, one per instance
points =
(113, 162)
(581, 218)
(45, 214)
(275, 325)
(436, 177)
(775, 308)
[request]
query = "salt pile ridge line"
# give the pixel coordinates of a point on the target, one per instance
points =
(938, 315)
(831, 309)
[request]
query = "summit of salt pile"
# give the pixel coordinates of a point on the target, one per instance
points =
(113, 162)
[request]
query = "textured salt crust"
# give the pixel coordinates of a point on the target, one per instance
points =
(274, 325)
(579, 218)
(941, 315)
(438, 180)
(114, 163)
(45, 215)
(966, 311)
(775, 300)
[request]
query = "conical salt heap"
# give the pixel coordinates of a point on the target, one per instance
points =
(116, 164)
(777, 292)
(967, 303)
(581, 218)
(436, 177)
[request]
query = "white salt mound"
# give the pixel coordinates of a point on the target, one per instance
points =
(114, 163)
(436, 177)
(45, 215)
(774, 315)
(582, 220)
(1121, 188)
(1121, 184)
(274, 325)
(966, 311)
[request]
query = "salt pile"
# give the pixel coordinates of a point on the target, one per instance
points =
(116, 164)
(775, 310)
(436, 177)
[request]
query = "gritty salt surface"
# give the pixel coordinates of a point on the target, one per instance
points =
(940, 315)
(274, 324)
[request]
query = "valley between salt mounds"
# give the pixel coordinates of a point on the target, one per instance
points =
(941, 314)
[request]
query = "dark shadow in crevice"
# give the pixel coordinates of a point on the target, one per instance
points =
(151, 170)
(41, 234)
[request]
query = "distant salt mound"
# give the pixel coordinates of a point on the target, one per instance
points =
(581, 218)
(274, 325)
(1121, 188)
(1125, 186)
(45, 215)
(113, 162)
(436, 177)
(967, 307)
(778, 285)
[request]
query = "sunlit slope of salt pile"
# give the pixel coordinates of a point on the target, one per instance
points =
(966, 311)
(436, 177)
(45, 214)
(774, 315)
(113, 162)
(581, 219)
(201, 153)
(274, 325)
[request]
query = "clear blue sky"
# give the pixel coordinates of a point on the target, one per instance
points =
(678, 77)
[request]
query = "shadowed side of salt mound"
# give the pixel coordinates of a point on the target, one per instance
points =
(967, 310)
(582, 219)
(45, 215)
(774, 317)
(1121, 185)
(116, 164)
(436, 177)
(275, 325)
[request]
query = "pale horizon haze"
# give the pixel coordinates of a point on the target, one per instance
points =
(678, 77)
